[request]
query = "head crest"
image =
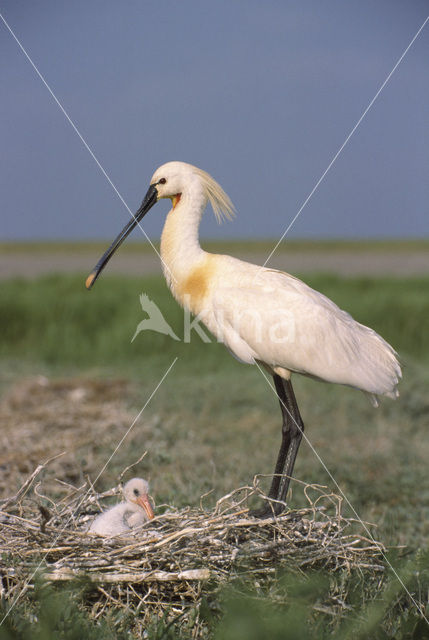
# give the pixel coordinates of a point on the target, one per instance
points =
(219, 200)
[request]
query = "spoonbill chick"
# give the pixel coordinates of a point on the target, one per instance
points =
(125, 516)
(263, 316)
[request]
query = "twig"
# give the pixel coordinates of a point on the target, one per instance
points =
(60, 575)
(6, 502)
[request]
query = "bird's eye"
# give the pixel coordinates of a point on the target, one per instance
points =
(136, 492)
(162, 181)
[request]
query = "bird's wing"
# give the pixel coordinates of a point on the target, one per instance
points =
(110, 522)
(135, 518)
(282, 322)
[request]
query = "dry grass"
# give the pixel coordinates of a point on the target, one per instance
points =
(169, 564)
(206, 429)
(42, 418)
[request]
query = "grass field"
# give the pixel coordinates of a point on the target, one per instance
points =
(224, 246)
(214, 423)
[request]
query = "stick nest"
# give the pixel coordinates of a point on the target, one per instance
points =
(170, 563)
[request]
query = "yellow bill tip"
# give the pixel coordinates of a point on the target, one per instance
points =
(90, 280)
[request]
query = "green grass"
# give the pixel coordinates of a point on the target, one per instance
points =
(54, 320)
(218, 419)
(96, 247)
(214, 422)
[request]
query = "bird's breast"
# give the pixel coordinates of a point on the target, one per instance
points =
(192, 290)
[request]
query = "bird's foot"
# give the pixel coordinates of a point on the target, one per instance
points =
(269, 510)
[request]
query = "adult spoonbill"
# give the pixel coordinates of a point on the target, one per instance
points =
(262, 315)
(125, 516)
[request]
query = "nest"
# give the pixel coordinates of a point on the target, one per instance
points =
(171, 562)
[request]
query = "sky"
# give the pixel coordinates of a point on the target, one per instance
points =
(262, 95)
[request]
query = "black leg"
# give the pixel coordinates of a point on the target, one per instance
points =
(292, 430)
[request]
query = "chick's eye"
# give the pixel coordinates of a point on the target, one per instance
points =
(162, 181)
(136, 492)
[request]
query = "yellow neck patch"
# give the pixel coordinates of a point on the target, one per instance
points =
(176, 199)
(192, 290)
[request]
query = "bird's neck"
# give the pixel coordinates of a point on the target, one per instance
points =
(180, 246)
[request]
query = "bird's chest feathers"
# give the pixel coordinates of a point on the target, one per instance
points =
(188, 269)
(192, 290)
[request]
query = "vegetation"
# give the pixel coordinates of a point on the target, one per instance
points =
(294, 611)
(55, 321)
(95, 247)
(214, 422)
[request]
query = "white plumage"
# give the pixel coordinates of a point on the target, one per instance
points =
(125, 516)
(262, 315)
(241, 302)
(271, 317)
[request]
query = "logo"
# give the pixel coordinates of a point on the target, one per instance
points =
(155, 321)
(256, 328)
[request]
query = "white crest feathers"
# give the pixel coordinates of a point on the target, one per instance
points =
(219, 200)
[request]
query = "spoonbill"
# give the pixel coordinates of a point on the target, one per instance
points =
(125, 516)
(263, 316)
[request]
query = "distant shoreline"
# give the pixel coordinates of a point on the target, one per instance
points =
(347, 258)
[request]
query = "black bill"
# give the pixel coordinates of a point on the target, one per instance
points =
(149, 200)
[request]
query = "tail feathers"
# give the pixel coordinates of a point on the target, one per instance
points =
(373, 399)
(380, 363)
(386, 379)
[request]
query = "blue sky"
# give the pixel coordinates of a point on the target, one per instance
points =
(260, 94)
